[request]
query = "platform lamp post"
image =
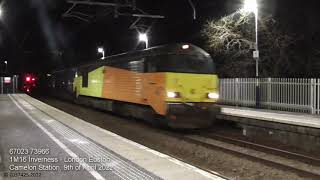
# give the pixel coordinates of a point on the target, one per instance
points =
(252, 6)
(143, 37)
(101, 50)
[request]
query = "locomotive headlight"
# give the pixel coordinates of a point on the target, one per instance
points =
(213, 95)
(172, 94)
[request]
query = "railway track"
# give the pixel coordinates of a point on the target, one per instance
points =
(275, 151)
(301, 164)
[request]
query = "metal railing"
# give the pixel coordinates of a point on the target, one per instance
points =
(285, 94)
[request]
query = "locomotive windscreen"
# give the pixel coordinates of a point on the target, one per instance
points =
(181, 63)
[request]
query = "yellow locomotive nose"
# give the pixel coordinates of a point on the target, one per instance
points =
(191, 87)
(191, 99)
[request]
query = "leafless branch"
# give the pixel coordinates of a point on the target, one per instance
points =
(232, 39)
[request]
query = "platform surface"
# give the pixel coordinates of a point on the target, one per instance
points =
(298, 119)
(52, 144)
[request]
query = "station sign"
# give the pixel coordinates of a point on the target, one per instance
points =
(7, 80)
(255, 54)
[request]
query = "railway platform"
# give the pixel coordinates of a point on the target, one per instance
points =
(295, 129)
(38, 141)
(298, 119)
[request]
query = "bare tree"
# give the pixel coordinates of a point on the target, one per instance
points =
(231, 41)
(226, 35)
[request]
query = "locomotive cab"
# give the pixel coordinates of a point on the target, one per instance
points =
(191, 87)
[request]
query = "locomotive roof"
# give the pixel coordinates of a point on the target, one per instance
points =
(157, 50)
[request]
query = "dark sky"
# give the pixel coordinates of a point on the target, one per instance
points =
(36, 38)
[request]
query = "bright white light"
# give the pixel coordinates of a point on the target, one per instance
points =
(143, 37)
(213, 95)
(186, 46)
(6, 62)
(172, 94)
(100, 50)
(7, 80)
(250, 6)
(1, 12)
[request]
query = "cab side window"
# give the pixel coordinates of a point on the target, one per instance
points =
(150, 65)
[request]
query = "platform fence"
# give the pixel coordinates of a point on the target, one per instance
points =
(285, 94)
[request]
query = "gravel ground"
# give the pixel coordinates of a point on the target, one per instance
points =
(160, 140)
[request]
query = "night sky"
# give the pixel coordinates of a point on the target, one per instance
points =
(36, 38)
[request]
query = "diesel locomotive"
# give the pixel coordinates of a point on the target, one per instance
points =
(173, 85)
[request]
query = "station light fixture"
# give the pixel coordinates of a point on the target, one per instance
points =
(101, 51)
(250, 6)
(143, 37)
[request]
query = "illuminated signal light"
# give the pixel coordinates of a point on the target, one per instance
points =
(28, 90)
(28, 79)
(33, 79)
